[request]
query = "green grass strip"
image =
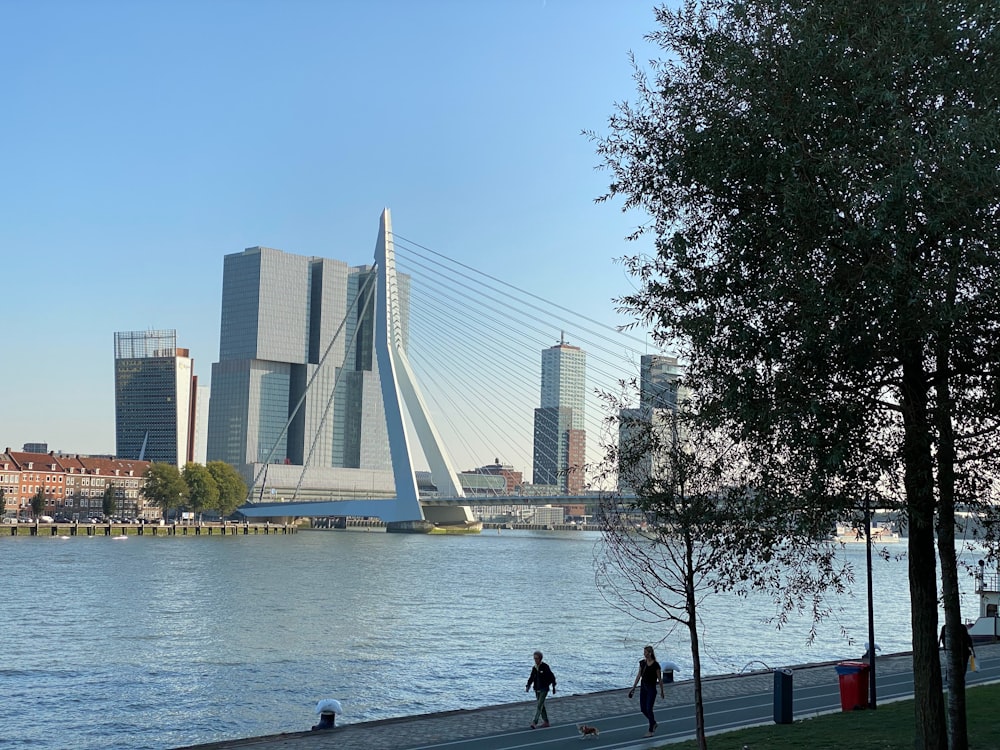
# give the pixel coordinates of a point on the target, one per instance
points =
(889, 727)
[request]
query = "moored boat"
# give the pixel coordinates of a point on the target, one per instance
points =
(882, 533)
(987, 625)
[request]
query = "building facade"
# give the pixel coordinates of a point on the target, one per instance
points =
(155, 398)
(72, 486)
(296, 383)
(639, 428)
(560, 439)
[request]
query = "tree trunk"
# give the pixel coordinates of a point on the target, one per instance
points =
(958, 737)
(699, 701)
(919, 482)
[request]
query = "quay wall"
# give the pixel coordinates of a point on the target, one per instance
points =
(127, 529)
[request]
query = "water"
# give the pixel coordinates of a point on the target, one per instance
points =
(157, 642)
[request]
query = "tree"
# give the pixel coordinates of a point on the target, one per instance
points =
(696, 523)
(165, 487)
(109, 505)
(38, 503)
(232, 488)
(823, 183)
(203, 491)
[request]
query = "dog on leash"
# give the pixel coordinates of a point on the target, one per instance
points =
(588, 731)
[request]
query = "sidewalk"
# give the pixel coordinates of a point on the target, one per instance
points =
(426, 729)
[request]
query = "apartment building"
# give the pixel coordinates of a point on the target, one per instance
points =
(72, 485)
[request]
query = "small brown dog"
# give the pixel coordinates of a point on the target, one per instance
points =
(589, 731)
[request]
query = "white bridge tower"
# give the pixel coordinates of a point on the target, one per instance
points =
(399, 392)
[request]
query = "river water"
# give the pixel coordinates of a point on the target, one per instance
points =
(156, 642)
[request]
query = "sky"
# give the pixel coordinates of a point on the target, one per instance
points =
(144, 141)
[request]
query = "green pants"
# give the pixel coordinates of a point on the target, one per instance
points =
(540, 711)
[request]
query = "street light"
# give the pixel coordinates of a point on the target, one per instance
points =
(871, 604)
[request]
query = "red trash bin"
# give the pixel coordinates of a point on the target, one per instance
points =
(853, 677)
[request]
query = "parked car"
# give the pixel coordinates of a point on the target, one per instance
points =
(46, 519)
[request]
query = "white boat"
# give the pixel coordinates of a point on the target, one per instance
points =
(987, 626)
(882, 533)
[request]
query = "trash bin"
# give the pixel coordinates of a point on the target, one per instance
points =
(782, 696)
(853, 677)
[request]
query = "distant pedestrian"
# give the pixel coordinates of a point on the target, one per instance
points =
(542, 679)
(963, 643)
(652, 679)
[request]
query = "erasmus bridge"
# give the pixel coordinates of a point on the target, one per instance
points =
(463, 371)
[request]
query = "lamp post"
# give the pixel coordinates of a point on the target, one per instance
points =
(871, 604)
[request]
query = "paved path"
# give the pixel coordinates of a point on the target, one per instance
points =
(731, 701)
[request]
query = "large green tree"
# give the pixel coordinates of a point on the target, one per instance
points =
(203, 491)
(165, 487)
(823, 182)
(232, 488)
(109, 505)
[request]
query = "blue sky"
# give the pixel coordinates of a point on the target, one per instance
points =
(143, 141)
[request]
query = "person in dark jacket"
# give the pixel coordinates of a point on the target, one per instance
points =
(965, 643)
(542, 678)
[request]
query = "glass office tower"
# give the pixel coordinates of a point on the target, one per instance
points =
(289, 321)
(155, 397)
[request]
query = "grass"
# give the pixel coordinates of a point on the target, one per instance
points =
(889, 727)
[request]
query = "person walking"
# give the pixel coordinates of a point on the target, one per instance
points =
(965, 643)
(542, 678)
(652, 678)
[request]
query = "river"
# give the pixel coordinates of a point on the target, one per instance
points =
(156, 642)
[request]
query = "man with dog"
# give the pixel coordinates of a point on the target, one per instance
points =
(542, 678)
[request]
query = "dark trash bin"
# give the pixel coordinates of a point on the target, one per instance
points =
(782, 696)
(853, 676)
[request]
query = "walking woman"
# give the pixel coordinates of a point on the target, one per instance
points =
(651, 677)
(542, 678)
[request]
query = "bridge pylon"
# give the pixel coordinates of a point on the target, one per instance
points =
(400, 391)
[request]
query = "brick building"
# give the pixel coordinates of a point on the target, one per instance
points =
(72, 485)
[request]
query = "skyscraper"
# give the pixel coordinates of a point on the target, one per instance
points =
(281, 315)
(659, 391)
(560, 440)
(155, 397)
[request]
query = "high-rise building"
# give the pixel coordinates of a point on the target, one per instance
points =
(155, 398)
(640, 429)
(203, 400)
(560, 440)
(296, 381)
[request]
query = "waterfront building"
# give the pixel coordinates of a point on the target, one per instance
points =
(659, 395)
(72, 485)
(87, 478)
(35, 472)
(155, 397)
(548, 515)
(296, 384)
(10, 486)
(560, 440)
(512, 479)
